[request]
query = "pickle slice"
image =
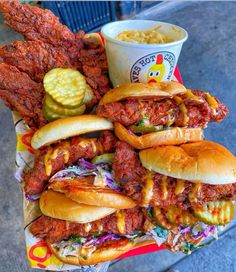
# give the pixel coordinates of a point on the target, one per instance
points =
(145, 129)
(161, 219)
(107, 157)
(58, 109)
(51, 115)
(178, 216)
(66, 86)
(88, 95)
(215, 212)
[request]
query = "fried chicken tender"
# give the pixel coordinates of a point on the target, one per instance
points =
(35, 58)
(94, 67)
(22, 94)
(54, 230)
(36, 179)
(48, 45)
(36, 24)
(129, 172)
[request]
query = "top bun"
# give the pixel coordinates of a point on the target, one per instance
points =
(68, 127)
(203, 161)
(58, 206)
(143, 90)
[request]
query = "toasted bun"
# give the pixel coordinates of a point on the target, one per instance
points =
(93, 38)
(89, 194)
(173, 136)
(58, 206)
(68, 127)
(103, 254)
(143, 90)
(203, 161)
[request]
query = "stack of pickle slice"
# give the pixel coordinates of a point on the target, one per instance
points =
(219, 212)
(66, 93)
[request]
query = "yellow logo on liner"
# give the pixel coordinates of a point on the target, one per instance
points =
(24, 142)
(40, 255)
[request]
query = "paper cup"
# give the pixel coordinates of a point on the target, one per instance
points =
(132, 62)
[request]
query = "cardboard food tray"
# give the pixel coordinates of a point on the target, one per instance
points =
(38, 253)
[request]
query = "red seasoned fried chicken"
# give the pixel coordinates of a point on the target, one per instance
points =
(37, 24)
(198, 109)
(126, 113)
(48, 45)
(189, 196)
(55, 230)
(35, 58)
(95, 69)
(128, 169)
(166, 190)
(77, 147)
(22, 94)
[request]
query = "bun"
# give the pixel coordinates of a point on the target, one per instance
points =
(81, 192)
(173, 136)
(143, 90)
(58, 206)
(203, 161)
(106, 253)
(93, 38)
(68, 127)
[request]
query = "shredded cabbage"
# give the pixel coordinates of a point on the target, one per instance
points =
(159, 240)
(72, 172)
(131, 236)
(85, 168)
(99, 240)
(200, 234)
(68, 248)
(32, 198)
(108, 179)
(200, 229)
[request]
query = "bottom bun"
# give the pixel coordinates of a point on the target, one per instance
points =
(103, 253)
(58, 206)
(89, 194)
(173, 136)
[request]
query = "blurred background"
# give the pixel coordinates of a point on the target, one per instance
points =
(77, 14)
(207, 62)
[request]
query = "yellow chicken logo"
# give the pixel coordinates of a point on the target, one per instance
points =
(156, 71)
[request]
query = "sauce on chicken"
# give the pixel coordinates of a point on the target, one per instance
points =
(165, 191)
(55, 158)
(192, 109)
